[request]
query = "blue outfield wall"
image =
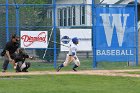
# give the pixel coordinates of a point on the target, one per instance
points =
(115, 33)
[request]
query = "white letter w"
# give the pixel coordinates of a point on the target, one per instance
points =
(116, 22)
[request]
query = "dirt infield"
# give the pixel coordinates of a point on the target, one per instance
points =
(82, 72)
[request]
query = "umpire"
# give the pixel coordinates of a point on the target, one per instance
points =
(9, 51)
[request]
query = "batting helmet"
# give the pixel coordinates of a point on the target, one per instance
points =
(75, 40)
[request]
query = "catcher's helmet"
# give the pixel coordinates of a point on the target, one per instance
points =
(75, 40)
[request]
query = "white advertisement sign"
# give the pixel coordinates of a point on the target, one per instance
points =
(84, 36)
(33, 39)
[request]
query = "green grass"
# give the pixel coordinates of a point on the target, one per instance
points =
(115, 65)
(86, 64)
(69, 84)
(41, 66)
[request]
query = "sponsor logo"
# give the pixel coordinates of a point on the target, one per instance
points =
(29, 40)
(65, 40)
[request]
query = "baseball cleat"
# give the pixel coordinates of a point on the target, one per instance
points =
(58, 69)
(3, 71)
(25, 71)
(74, 69)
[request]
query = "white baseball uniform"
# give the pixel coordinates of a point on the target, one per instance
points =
(70, 57)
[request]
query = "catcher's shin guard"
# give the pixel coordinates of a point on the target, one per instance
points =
(18, 67)
(28, 64)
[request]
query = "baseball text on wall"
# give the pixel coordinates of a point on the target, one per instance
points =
(115, 34)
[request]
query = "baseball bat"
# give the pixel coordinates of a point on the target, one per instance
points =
(59, 43)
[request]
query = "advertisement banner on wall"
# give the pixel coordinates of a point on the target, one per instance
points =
(33, 39)
(115, 34)
(84, 36)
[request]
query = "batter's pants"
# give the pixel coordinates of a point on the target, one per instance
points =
(70, 59)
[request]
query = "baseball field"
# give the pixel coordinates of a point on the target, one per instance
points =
(69, 84)
(42, 78)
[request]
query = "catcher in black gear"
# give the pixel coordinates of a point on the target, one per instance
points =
(21, 65)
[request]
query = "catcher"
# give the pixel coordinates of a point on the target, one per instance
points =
(20, 64)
